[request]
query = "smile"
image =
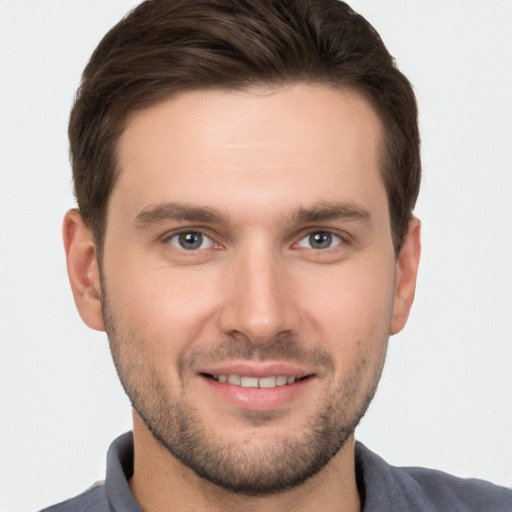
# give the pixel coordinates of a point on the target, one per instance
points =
(255, 382)
(257, 387)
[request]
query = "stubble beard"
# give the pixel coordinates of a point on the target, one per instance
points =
(256, 469)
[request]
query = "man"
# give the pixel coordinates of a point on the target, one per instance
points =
(246, 174)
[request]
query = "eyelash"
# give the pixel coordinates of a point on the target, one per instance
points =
(330, 236)
(337, 238)
(168, 239)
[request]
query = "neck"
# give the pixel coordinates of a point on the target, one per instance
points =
(161, 483)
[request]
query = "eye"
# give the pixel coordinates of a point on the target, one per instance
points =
(190, 241)
(320, 240)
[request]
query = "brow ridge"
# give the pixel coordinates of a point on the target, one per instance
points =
(155, 214)
(323, 212)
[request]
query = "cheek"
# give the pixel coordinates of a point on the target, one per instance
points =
(350, 305)
(166, 310)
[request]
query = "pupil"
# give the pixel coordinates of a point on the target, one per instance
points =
(191, 240)
(321, 240)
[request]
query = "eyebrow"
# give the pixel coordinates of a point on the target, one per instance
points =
(323, 212)
(178, 212)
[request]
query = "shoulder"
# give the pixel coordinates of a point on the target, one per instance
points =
(93, 499)
(386, 487)
(114, 492)
(464, 494)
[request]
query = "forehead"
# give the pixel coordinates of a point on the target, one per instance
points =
(262, 148)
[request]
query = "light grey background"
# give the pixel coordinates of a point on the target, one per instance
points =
(445, 400)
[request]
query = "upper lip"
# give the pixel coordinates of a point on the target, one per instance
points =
(258, 369)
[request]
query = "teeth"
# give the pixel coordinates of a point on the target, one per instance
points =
(267, 382)
(254, 382)
(249, 382)
(234, 379)
(281, 380)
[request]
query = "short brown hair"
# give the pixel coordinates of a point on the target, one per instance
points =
(166, 46)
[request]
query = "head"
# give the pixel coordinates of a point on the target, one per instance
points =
(245, 175)
(165, 47)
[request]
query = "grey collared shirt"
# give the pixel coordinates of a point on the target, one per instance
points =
(383, 488)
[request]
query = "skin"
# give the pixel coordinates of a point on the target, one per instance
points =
(256, 158)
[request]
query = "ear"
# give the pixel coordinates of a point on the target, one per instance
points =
(83, 270)
(406, 274)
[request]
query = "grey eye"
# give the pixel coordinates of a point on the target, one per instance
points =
(190, 241)
(320, 240)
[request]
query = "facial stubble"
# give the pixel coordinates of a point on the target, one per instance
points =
(256, 469)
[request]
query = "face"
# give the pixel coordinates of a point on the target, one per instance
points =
(249, 282)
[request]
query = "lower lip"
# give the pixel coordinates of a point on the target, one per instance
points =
(258, 399)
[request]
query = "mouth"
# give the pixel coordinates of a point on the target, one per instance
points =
(266, 382)
(256, 386)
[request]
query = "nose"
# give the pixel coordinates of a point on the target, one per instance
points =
(259, 303)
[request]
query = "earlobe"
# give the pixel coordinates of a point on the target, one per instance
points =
(406, 274)
(83, 269)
